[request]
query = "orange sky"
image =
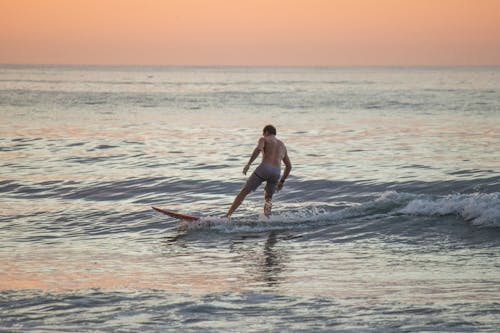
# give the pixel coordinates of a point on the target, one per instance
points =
(251, 32)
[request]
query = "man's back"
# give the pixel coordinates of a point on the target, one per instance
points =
(273, 151)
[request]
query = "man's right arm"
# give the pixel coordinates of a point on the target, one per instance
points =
(288, 168)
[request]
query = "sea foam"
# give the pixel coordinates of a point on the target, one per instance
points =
(482, 209)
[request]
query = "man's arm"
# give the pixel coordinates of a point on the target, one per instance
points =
(255, 154)
(288, 168)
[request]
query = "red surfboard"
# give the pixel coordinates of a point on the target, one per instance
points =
(178, 216)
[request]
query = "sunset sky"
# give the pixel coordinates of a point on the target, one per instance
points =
(250, 32)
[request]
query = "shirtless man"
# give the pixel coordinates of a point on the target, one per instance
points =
(273, 152)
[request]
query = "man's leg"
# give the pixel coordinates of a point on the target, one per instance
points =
(238, 200)
(268, 203)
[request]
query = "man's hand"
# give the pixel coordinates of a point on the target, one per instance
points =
(280, 185)
(245, 169)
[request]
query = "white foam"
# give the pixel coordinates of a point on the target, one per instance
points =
(478, 208)
(297, 219)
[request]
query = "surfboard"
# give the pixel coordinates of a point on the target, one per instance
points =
(176, 215)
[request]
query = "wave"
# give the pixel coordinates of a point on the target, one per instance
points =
(52, 211)
(478, 209)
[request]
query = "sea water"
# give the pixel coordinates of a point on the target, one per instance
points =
(389, 222)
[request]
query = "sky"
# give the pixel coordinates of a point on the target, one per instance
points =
(251, 32)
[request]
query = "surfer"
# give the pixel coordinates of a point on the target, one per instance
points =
(269, 170)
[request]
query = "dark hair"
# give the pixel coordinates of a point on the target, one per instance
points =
(269, 129)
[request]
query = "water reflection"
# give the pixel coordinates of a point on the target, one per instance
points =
(272, 266)
(259, 256)
(264, 265)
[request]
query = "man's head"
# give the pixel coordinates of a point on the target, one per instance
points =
(269, 130)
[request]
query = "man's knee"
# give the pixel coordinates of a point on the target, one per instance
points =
(245, 190)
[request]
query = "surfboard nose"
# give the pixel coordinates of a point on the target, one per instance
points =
(176, 215)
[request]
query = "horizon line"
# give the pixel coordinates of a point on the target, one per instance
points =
(249, 66)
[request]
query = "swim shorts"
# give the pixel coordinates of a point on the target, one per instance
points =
(264, 172)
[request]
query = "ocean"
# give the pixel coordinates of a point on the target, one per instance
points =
(389, 222)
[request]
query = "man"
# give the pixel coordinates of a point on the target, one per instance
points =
(273, 152)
